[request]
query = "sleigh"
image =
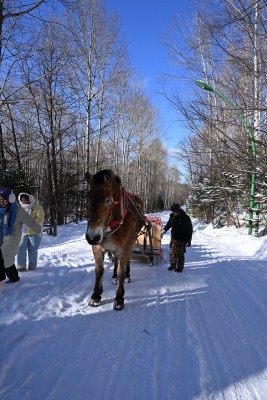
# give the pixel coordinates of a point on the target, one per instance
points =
(148, 242)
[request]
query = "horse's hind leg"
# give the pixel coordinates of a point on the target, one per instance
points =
(128, 269)
(115, 269)
(114, 276)
(95, 300)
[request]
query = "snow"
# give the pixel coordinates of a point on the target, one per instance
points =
(201, 334)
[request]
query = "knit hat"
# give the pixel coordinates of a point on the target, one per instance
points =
(175, 207)
(8, 195)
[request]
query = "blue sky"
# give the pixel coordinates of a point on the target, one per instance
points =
(144, 22)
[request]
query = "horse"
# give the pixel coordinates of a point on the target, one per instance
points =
(114, 219)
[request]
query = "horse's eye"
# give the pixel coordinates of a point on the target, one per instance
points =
(108, 201)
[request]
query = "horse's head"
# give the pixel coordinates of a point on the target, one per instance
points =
(104, 189)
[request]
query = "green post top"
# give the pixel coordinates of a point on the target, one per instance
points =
(204, 86)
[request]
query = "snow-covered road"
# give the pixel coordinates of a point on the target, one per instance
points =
(201, 334)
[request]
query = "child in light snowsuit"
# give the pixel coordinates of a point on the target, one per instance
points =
(30, 241)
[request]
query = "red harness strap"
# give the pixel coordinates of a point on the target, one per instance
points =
(115, 222)
(117, 219)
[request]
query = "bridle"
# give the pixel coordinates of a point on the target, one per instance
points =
(107, 230)
(112, 225)
(105, 223)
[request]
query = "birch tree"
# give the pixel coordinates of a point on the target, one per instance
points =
(11, 14)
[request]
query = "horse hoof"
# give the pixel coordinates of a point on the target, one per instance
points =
(94, 303)
(118, 305)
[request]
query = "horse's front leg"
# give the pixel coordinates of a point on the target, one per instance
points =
(95, 300)
(121, 272)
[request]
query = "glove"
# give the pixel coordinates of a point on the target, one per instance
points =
(162, 233)
(188, 244)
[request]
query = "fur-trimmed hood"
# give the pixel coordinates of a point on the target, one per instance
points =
(30, 197)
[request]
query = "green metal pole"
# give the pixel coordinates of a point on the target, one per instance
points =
(207, 87)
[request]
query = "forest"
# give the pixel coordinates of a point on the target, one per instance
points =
(71, 103)
(225, 154)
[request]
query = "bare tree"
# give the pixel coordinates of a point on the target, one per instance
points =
(11, 14)
(227, 49)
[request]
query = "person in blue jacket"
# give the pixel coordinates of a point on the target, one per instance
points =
(181, 236)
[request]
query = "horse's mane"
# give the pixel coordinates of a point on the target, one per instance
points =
(105, 176)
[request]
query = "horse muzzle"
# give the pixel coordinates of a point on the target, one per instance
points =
(97, 239)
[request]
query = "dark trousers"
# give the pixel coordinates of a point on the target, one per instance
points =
(2, 268)
(177, 250)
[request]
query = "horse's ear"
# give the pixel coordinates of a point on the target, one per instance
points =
(89, 178)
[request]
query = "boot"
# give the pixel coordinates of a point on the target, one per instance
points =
(2, 268)
(21, 268)
(12, 274)
(172, 267)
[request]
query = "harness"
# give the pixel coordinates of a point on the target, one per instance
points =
(117, 220)
(127, 203)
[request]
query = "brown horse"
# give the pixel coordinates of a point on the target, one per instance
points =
(114, 219)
